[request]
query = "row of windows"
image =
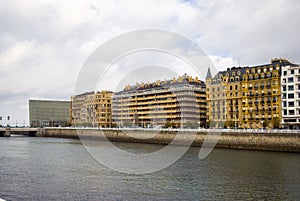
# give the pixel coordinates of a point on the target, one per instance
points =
(291, 112)
(290, 88)
(291, 71)
(290, 80)
(289, 96)
(290, 104)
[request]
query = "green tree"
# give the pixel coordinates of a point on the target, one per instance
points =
(168, 124)
(276, 122)
(229, 124)
(266, 123)
(127, 124)
(192, 124)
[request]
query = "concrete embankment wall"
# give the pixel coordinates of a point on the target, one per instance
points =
(289, 142)
(4, 132)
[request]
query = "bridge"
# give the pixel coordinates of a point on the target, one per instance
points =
(7, 131)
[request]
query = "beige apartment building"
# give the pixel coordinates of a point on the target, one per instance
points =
(91, 109)
(246, 97)
(180, 102)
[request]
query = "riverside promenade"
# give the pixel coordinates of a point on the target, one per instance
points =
(267, 140)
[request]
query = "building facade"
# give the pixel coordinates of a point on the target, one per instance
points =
(290, 89)
(252, 96)
(170, 103)
(216, 100)
(91, 109)
(48, 113)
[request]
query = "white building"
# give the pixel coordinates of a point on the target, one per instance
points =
(290, 89)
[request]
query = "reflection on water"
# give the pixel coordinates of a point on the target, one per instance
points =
(61, 169)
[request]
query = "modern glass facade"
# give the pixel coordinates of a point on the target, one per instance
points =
(48, 113)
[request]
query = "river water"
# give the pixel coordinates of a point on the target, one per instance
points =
(61, 169)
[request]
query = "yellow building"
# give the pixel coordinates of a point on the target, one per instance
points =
(216, 100)
(170, 103)
(91, 109)
(253, 98)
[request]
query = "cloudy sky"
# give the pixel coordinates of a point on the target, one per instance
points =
(44, 43)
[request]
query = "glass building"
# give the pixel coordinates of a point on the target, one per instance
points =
(52, 113)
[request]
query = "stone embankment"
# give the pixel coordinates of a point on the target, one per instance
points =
(279, 140)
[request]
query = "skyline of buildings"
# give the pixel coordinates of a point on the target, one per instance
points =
(261, 96)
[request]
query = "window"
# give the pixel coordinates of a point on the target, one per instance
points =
(284, 80)
(291, 104)
(291, 112)
(292, 72)
(291, 87)
(290, 79)
(285, 112)
(284, 88)
(283, 96)
(284, 72)
(298, 79)
(284, 104)
(298, 87)
(236, 87)
(290, 95)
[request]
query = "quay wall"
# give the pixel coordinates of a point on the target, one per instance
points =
(267, 141)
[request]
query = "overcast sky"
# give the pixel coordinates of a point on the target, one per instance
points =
(44, 43)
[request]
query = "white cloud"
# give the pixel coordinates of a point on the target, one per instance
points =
(44, 43)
